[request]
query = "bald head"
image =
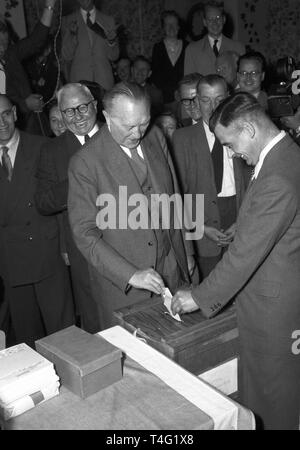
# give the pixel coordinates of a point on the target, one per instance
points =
(226, 66)
(78, 107)
(8, 117)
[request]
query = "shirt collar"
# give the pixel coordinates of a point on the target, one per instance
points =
(265, 151)
(12, 144)
(212, 40)
(90, 134)
(92, 13)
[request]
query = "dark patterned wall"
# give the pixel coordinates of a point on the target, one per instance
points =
(138, 19)
(271, 26)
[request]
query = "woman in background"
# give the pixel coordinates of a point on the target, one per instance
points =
(168, 58)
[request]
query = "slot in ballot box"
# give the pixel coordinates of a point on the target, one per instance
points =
(205, 347)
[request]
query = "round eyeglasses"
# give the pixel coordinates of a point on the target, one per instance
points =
(81, 109)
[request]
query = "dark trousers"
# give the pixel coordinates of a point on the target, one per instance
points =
(228, 215)
(271, 388)
(32, 311)
(86, 305)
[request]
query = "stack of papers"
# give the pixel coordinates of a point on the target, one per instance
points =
(26, 379)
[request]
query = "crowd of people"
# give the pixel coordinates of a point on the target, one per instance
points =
(192, 120)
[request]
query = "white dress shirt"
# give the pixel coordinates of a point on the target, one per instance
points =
(128, 152)
(212, 41)
(265, 151)
(12, 147)
(228, 183)
(91, 133)
(92, 14)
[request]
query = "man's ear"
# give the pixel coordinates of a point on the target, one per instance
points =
(149, 74)
(14, 110)
(249, 128)
(263, 76)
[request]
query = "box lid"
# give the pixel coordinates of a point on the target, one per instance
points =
(150, 320)
(87, 352)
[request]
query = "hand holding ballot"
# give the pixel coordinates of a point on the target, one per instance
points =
(183, 302)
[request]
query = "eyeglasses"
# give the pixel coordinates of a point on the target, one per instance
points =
(217, 19)
(252, 74)
(189, 101)
(81, 109)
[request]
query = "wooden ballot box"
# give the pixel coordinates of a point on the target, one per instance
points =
(198, 344)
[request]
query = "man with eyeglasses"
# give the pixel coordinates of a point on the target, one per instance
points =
(250, 76)
(79, 112)
(188, 112)
(37, 299)
(205, 167)
(200, 56)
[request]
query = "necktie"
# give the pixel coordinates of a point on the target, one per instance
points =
(6, 163)
(95, 26)
(86, 138)
(217, 159)
(215, 48)
(138, 160)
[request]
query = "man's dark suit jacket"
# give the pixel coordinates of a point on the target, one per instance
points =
(262, 267)
(51, 198)
(29, 245)
(116, 254)
(193, 163)
(17, 82)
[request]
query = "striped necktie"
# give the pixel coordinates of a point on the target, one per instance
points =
(6, 163)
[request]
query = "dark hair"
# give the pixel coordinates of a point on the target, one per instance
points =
(169, 13)
(191, 78)
(141, 58)
(255, 56)
(235, 107)
(127, 89)
(214, 4)
(212, 80)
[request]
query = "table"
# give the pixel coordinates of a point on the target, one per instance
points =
(140, 401)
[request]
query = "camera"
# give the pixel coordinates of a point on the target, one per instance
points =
(281, 100)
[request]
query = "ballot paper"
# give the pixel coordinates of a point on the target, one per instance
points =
(23, 371)
(167, 298)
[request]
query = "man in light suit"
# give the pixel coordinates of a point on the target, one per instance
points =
(89, 45)
(205, 167)
(36, 300)
(200, 56)
(79, 112)
(262, 264)
(129, 263)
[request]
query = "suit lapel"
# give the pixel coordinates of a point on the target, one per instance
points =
(23, 166)
(118, 164)
(156, 172)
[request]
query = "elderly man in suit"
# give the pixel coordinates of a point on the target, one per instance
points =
(122, 163)
(200, 56)
(89, 45)
(188, 111)
(262, 264)
(35, 288)
(79, 112)
(205, 167)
